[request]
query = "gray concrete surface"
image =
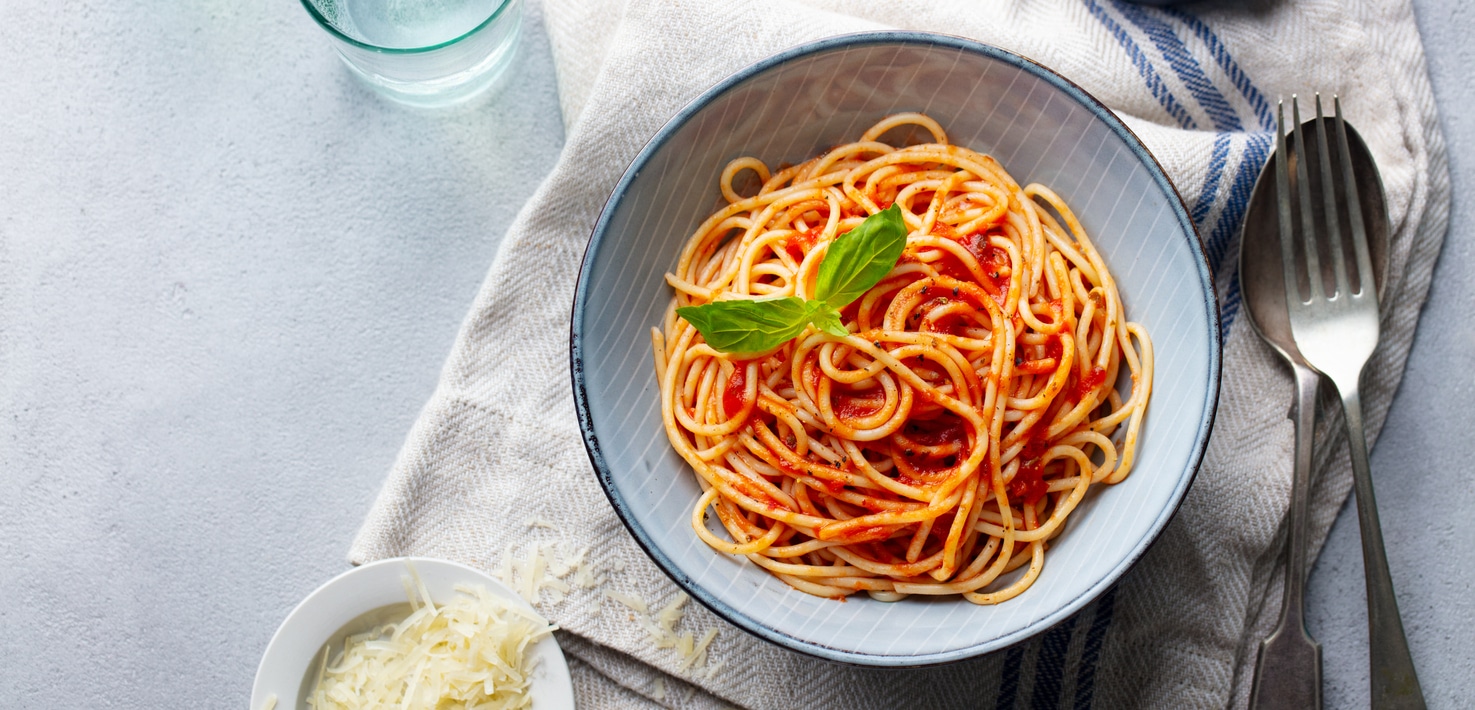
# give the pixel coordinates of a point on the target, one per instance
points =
(229, 276)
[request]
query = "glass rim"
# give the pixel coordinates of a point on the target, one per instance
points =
(324, 23)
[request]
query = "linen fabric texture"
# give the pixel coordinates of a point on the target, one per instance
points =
(498, 444)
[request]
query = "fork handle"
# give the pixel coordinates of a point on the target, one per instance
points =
(1394, 683)
(1288, 670)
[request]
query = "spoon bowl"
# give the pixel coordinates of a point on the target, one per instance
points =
(1262, 280)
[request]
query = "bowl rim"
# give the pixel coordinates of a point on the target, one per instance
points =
(894, 37)
(338, 34)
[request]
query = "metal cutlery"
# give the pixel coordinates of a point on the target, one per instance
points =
(1330, 290)
(1288, 669)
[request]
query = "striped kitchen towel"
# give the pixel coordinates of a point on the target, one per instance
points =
(499, 442)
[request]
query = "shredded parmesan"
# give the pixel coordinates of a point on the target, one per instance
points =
(469, 652)
(271, 702)
(548, 572)
(698, 655)
(712, 670)
(670, 615)
(543, 568)
(661, 628)
(636, 604)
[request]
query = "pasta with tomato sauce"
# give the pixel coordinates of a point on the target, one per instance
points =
(945, 439)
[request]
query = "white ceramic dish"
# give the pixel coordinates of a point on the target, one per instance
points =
(357, 600)
(786, 109)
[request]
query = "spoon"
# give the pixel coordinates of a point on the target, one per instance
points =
(1288, 671)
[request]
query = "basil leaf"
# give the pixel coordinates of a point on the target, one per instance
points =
(855, 261)
(860, 258)
(827, 319)
(749, 326)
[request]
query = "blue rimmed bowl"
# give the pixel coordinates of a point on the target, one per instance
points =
(788, 108)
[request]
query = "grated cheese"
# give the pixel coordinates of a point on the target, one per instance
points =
(584, 577)
(543, 568)
(670, 615)
(713, 668)
(661, 628)
(548, 572)
(636, 604)
(271, 702)
(698, 655)
(468, 652)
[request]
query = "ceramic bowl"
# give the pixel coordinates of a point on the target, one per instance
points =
(789, 108)
(374, 594)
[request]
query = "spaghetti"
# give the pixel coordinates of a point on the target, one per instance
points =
(946, 439)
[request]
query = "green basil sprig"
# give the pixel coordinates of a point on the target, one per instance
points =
(855, 261)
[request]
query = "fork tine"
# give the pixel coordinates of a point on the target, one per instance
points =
(1354, 207)
(1283, 205)
(1308, 216)
(1336, 241)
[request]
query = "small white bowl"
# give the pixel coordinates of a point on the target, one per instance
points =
(373, 594)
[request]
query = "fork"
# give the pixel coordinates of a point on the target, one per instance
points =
(1336, 330)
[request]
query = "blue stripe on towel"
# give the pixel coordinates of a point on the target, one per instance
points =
(1144, 66)
(1229, 309)
(1231, 68)
(1009, 681)
(1231, 218)
(1095, 636)
(1050, 665)
(1184, 65)
(1218, 159)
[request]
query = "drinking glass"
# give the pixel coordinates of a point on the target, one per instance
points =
(423, 52)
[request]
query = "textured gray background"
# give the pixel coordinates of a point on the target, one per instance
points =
(229, 276)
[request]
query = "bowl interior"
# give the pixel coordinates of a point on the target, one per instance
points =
(372, 595)
(787, 109)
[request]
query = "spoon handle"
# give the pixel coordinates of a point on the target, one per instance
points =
(1288, 671)
(1394, 683)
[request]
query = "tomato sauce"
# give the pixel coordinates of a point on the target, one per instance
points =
(811, 377)
(1053, 348)
(799, 244)
(849, 407)
(942, 524)
(992, 260)
(1036, 446)
(949, 265)
(1036, 367)
(951, 325)
(946, 429)
(867, 534)
(1088, 382)
(978, 246)
(1028, 484)
(735, 394)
